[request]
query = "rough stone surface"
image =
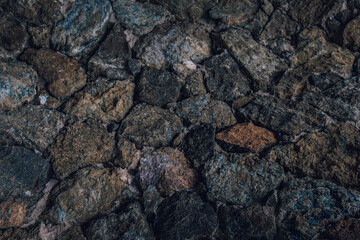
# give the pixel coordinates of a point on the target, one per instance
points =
(139, 18)
(344, 229)
(241, 179)
(103, 100)
(167, 169)
(130, 224)
(126, 154)
(185, 215)
(351, 33)
(194, 84)
(151, 126)
(17, 84)
(247, 136)
(307, 206)
(200, 109)
(259, 62)
(309, 11)
(255, 222)
(83, 27)
(87, 193)
(20, 233)
(63, 75)
(332, 154)
(23, 177)
(199, 144)
(224, 80)
(82, 144)
(110, 60)
(158, 87)
(32, 126)
(172, 44)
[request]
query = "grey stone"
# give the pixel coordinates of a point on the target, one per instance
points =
(194, 84)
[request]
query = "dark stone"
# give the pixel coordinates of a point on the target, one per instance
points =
(344, 229)
(185, 216)
(158, 87)
(13, 36)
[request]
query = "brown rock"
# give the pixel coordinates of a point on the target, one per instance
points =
(89, 192)
(63, 75)
(12, 213)
(167, 169)
(82, 144)
(127, 156)
(344, 229)
(351, 35)
(247, 136)
(20, 233)
(106, 101)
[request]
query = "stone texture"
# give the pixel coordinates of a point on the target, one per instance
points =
(351, 33)
(130, 224)
(151, 126)
(332, 154)
(89, 192)
(200, 109)
(224, 79)
(262, 65)
(110, 60)
(199, 144)
(241, 179)
(255, 222)
(158, 87)
(71, 233)
(247, 136)
(344, 229)
(39, 36)
(126, 154)
(63, 75)
(20, 234)
(23, 177)
(82, 144)
(103, 100)
(83, 27)
(307, 206)
(194, 84)
(32, 126)
(171, 44)
(167, 169)
(185, 216)
(17, 84)
(139, 18)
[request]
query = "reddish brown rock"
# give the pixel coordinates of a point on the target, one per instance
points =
(63, 75)
(83, 144)
(344, 229)
(247, 136)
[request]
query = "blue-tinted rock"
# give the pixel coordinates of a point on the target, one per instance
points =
(78, 34)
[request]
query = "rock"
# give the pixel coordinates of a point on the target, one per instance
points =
(130, 224)
(17, 84)
(171, 44)
(187, 10)
(332, 155)
(23, 178)
(255, 25)
(13, 36)
(351, 33)
(167, 169)
(200, 109)
(158, 87)
(139, 18)
(152, 200)
(63, 75)
(307, 206)
(344, 229)
(194, 84)
(234, 11)
(127, 156)
(39, 36)
(89, 192)
(72, 233)
(78, 34)
(262, 65)
(254, 222)
(284, 116)
(110, 60)
(82, 144)
(247, 136)
(185, 216)
(151, 126)
(20, 233)
(199, 144)
(224, 79)
(241, 179)
(309, 12)
(103, 100)
(32, 126)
